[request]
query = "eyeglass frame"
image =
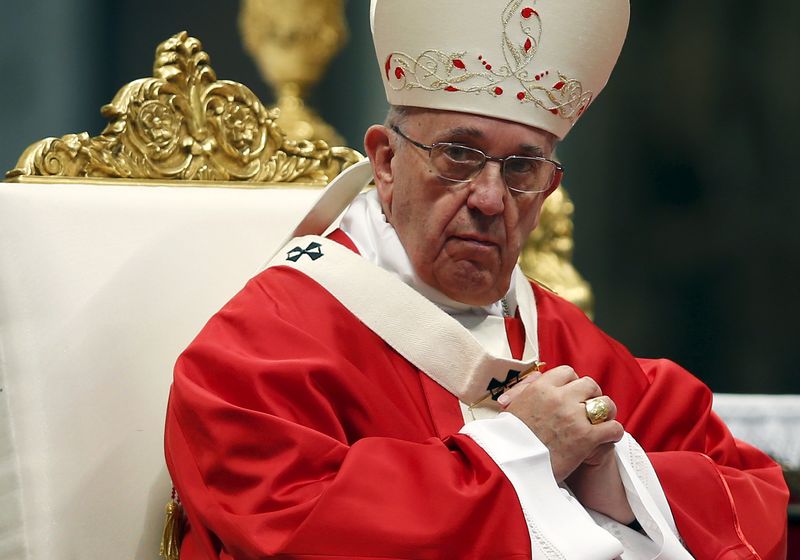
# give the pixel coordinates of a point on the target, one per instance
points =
(557, 175)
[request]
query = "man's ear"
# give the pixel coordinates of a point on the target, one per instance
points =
(378, 146)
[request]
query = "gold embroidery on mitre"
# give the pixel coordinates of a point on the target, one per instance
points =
(464, 72)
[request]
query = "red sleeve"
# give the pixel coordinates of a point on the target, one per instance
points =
(281, 447)
(728, 498)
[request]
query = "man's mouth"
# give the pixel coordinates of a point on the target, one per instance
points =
(476, 240)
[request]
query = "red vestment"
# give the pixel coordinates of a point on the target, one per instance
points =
(293, 431)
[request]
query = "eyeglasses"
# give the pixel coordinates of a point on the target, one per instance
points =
(461, 164)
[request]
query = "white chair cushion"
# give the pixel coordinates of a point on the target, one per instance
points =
(101, 287)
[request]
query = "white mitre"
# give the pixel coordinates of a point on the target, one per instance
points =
(536, 62)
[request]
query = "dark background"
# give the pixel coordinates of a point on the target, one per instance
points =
(684, 173)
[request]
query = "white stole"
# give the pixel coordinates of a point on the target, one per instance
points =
(451, 355)
(416, 328)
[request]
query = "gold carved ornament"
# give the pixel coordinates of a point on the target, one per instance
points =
(183, 124)
(547, 254)
(292, 43)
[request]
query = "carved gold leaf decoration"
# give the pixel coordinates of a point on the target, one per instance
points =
(547, 254)
(184, 124)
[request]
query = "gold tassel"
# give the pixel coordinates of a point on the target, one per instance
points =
(173, 529)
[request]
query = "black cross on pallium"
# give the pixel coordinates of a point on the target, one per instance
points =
(314, 251)
(497, 388)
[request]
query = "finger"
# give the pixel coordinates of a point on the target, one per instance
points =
(556, 377)
(583, 389)
(600, 454)
(508, 396)
(560, 375)
(610, 431)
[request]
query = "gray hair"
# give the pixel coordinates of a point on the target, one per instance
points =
(398, 114)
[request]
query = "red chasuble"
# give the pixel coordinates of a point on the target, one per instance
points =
(293, 431)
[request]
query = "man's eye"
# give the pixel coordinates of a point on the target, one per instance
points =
(521, 165)
(460, 154)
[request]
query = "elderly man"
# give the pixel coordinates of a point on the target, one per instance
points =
(383, 393)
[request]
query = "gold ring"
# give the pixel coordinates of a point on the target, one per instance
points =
(597, 410)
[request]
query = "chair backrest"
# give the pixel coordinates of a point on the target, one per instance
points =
(100, 289)
(114, 251)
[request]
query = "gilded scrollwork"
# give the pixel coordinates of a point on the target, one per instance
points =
(184, 124)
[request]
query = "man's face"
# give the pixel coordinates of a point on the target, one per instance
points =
(462, 238)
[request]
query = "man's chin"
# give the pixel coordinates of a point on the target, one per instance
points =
(473, 285)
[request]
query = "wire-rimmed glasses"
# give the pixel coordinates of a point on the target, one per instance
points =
(460, 164)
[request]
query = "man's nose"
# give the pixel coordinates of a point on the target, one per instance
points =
(488, 190)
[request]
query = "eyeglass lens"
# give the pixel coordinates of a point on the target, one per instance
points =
(461, 163)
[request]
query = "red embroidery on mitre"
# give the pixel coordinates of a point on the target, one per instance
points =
(435, 70)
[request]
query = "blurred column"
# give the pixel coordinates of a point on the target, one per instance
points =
(49, 66)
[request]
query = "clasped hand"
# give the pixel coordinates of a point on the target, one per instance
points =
(581, 454)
